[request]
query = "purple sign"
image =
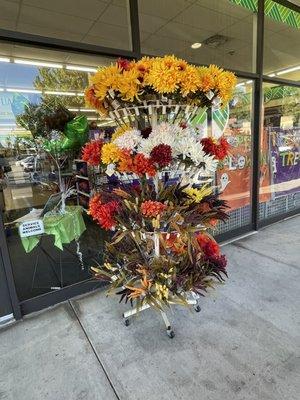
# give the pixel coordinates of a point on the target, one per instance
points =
(285, 156)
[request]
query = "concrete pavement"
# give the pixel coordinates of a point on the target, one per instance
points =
(244, 344)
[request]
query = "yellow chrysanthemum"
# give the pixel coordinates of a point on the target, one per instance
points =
(225, 84)
(128, 86)
(190, 80)
(143, 65)
(196, 195)
(119, 131)
(110, 153)
(206, 79)
(214, 70)
(165, 74)
(105, 79)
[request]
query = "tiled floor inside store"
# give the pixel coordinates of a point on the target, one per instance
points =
(244, 344)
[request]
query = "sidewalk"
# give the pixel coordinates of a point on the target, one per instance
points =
(244, 344)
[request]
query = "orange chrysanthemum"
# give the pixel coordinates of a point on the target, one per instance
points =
(143, 165)
(125, 162)
(152, 209)
(91, 152)
(103, 214)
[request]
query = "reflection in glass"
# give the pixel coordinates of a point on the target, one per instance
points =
(233, 177)
(103, 23)
(203, 32)
(280, 154)
(29, 177)
(282, 42)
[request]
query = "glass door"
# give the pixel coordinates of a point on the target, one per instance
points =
(48, 252)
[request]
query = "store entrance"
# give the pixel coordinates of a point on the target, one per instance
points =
(59, 256)
(50, 239)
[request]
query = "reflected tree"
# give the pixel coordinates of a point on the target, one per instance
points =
(60, 79)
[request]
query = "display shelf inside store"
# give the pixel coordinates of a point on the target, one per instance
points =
(82, 177)
(83, 193)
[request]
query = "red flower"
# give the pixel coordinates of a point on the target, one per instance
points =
(124, 64)
(103, 213)
(175, 243)
(146, 132)
(143, 165)
(209, 246)
(91, 152)
(151, 208)
(219, 149)
(219, 261)
(161, 155)
(126, 161)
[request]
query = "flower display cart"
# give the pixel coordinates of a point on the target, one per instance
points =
(165, 201)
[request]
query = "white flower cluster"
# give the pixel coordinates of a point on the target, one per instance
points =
(184, 142)
(129, 140)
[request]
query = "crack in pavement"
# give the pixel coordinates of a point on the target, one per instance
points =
(94, 350)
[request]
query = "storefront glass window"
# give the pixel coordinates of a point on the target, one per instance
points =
(281, 42)
(234, 176)
(31, 174)
(98, 22)
(204, 32)
(280, 150)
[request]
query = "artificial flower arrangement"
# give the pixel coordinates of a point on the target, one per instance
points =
(167, 86)
(161, 252)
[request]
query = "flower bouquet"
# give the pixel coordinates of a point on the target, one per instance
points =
(166, 88)
(161, 252)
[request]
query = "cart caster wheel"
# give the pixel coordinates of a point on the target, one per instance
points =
(171, 334)
(127, 322)
(197, 308)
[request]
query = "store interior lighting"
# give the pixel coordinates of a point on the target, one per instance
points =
(37, 63)
(196, 45)
(35, 91)
(4, 59)
(17, 90)
(286, 71)
(53, 92)
(79, 68)
(88, 110)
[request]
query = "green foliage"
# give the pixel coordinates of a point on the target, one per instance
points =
(60, 79)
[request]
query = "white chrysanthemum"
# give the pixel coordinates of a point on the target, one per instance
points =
(186, 145)
(197, 154)
(163, 133)
(129, 139)
(211, 164)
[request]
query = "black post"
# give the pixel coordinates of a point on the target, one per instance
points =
(8, 272)
(135, 27)
(258, 117)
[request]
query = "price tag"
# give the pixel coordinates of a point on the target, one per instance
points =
(31, 228)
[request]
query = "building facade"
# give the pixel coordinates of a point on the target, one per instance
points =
(48, 50)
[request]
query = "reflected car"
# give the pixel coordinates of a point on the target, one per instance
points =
(31, 163)
(24, 159)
